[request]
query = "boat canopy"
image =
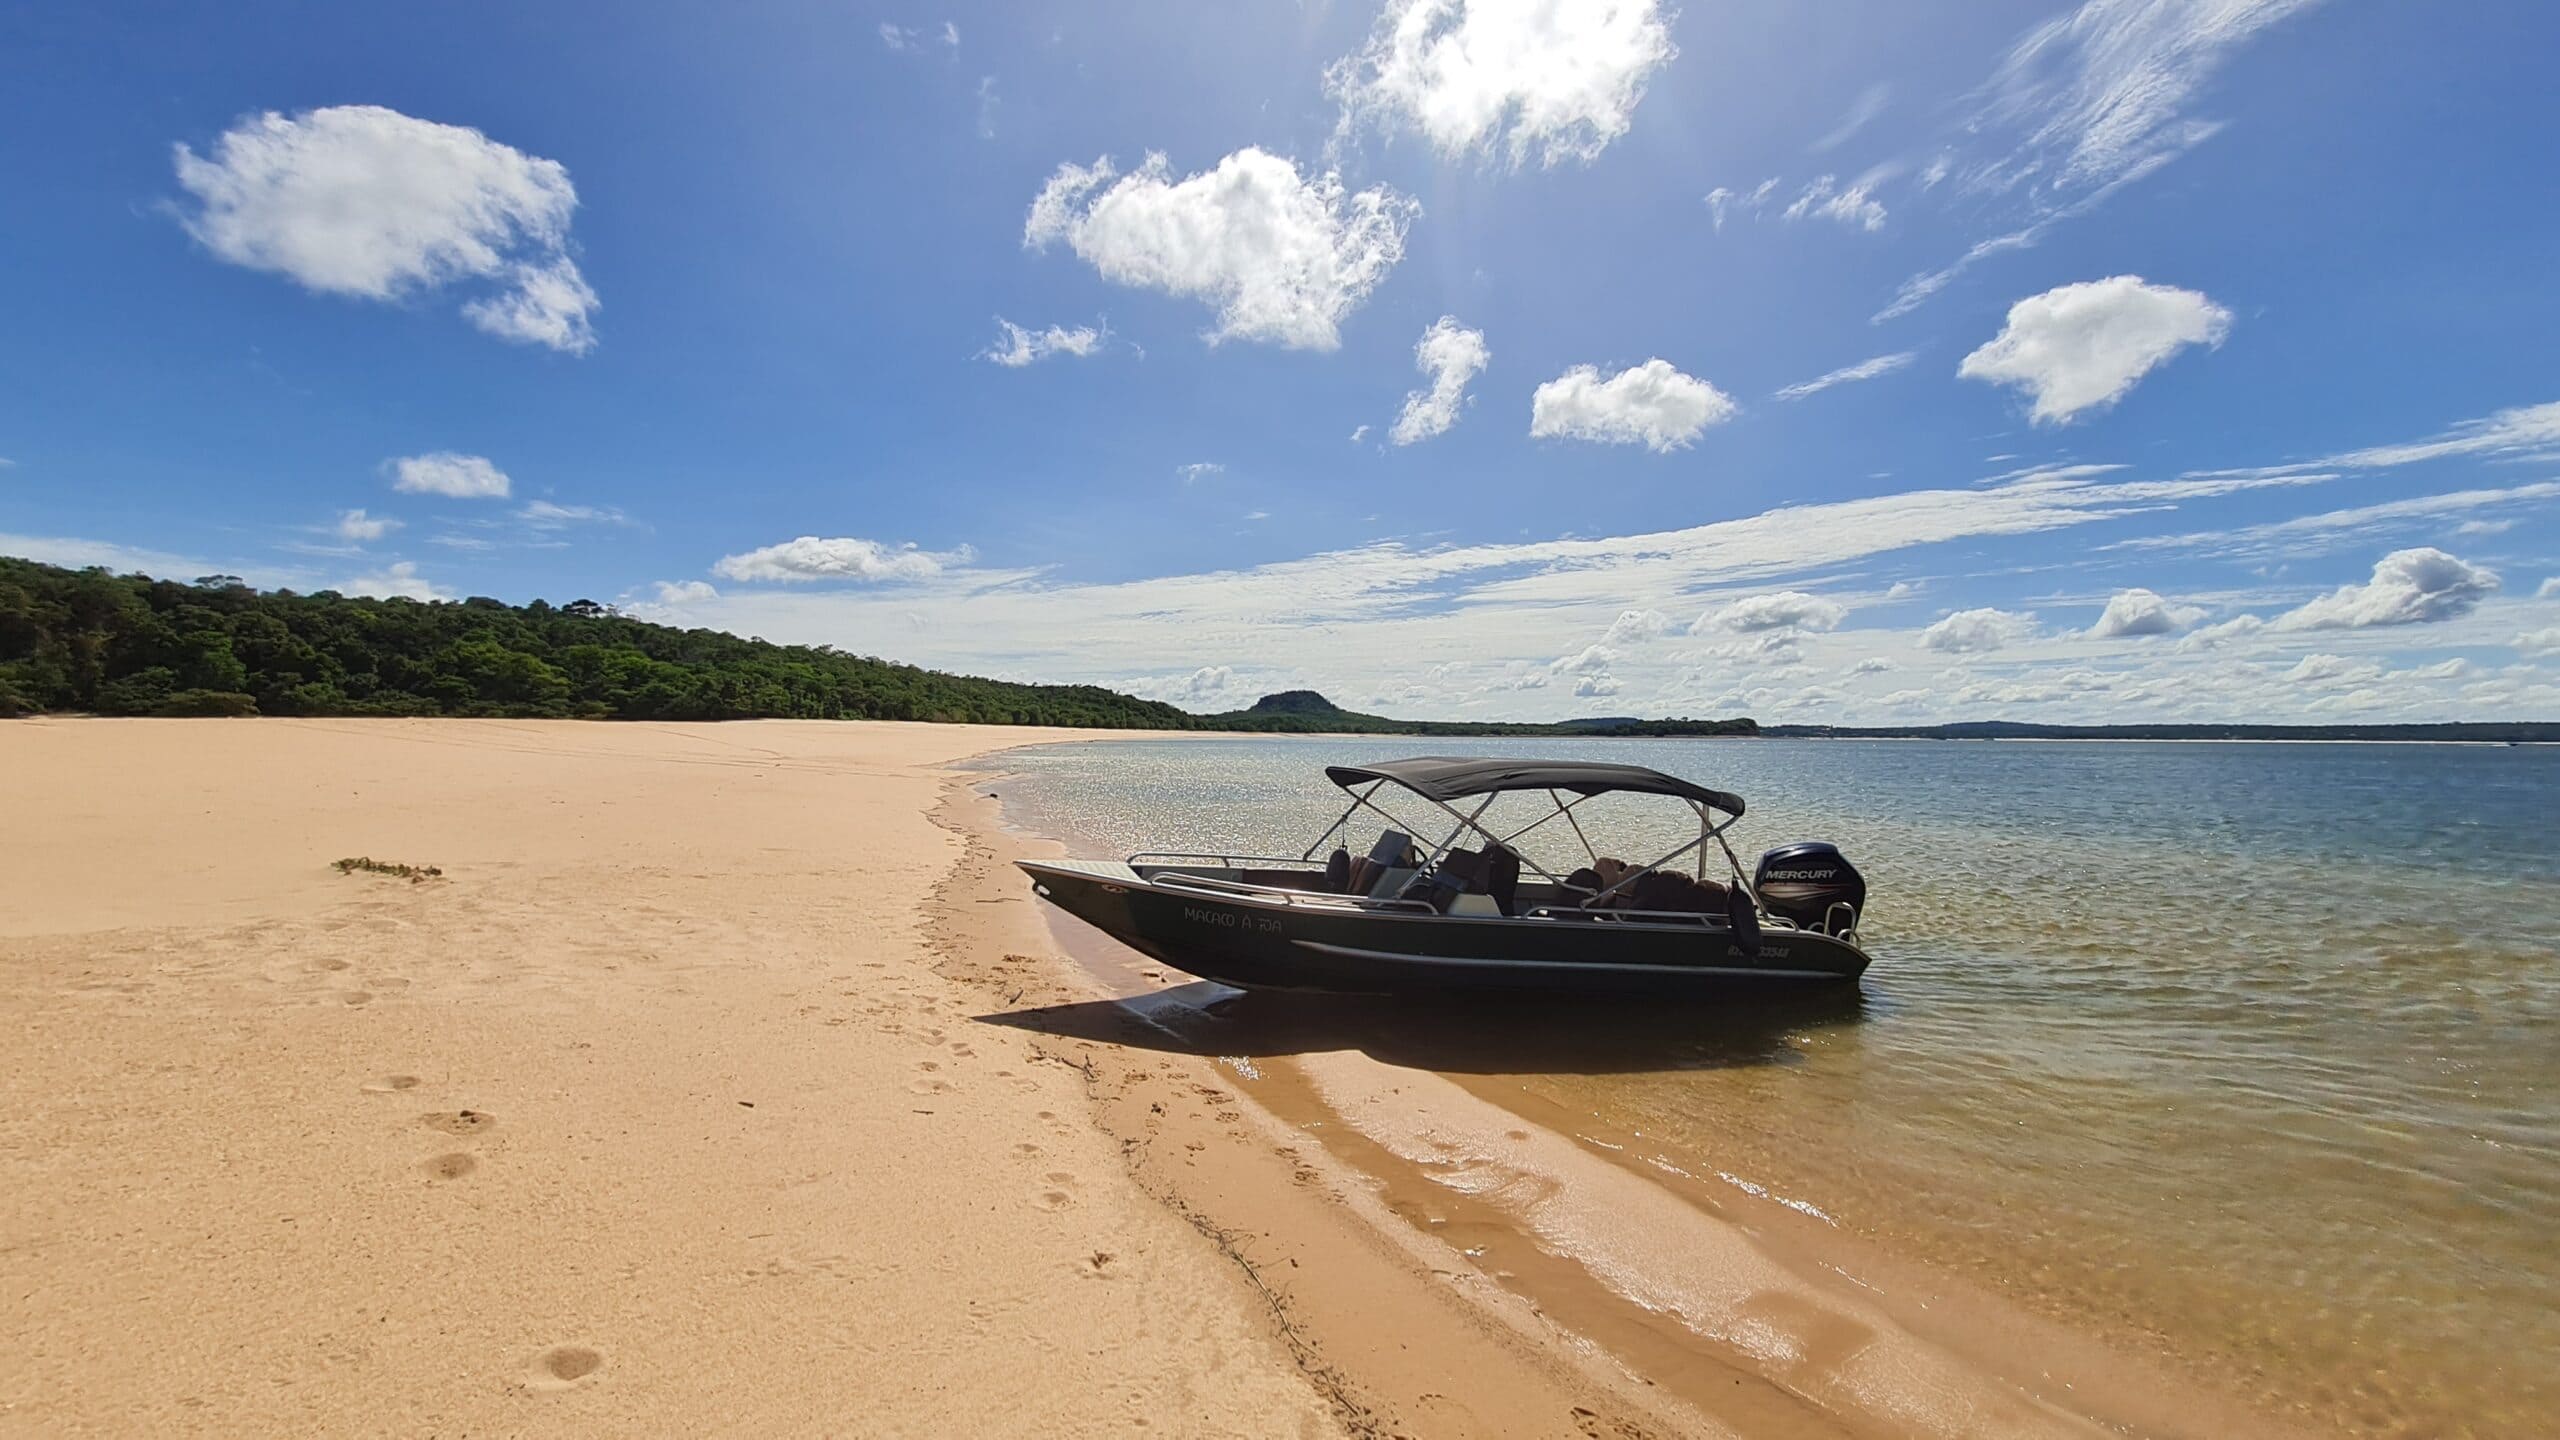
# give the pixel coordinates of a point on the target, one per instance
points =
(1449, 777)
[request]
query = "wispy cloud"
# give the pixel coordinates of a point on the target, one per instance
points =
(1848, 375)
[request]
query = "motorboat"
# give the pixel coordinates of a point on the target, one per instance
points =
(1475, 910)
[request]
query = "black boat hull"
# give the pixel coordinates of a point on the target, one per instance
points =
(1268, 944)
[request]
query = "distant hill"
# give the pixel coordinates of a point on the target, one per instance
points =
(1306, 712)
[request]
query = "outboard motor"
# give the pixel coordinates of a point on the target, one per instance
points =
(1807, 882)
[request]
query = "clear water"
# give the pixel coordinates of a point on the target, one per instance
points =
(2249, 1050)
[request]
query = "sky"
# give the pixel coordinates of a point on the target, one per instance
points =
(1861, 363)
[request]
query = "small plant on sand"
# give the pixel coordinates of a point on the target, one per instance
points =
(414, 874)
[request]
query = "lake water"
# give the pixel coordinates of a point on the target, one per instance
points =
(2250, 1050)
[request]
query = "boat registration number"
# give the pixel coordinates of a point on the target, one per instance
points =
(1230, 919)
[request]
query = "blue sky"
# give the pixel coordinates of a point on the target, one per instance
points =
(1865, 363)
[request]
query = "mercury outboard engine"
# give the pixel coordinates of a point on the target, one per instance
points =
(1808, 882)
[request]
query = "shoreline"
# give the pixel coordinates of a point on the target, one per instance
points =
(1753, 1312)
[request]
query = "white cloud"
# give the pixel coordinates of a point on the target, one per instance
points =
(1872, 665)
(1199, 470)
(1017, 347)
(897, 37)
(1211, 687)
(1281, 257)
(1523, 77)
(1855, 206)
(2409, 587)
(1722, 201)
(1359, 433)
(399, 580)
(442, 472)
(544, 515)
(2539, 642)
(1785, 610)
(2102, 94)
(1635, 627)
(1652, 404)
(1595, 686)
(363, 201)
(2549, 589)
(72, 553)
(1848, 375)
(1869, 104)
(1257, 515)
(1973, 632)
(812, 558)
(1451, 355)
(682, 592)
(2525, 432)
(2330, 528)
(2143, 612)
(355, 525)
(2078, 347)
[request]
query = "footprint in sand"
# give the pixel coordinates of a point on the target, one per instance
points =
(562, 1367)
(391, 1084)
(1060, 1197)
(451, 1167)
(355, 997)
(331, 962)
(458, 1122)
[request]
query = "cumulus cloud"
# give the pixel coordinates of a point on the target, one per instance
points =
(442, 472)
(1872, 665)
(2143, 612)
(1280, 256)
(2539, 642)
(1594, 686)
(1016, 346)
(2081, 347)
(1855, 206)
(811, 557)
(1848, 375)
(1635, 627)
(357, 526)
(1973, 632)
(1451, 355)
(1520, 77)
(397, 581)
(2409, 587)
(363, 201)
(680, 592)
(2550, 589)
(1651, 404)
(1784, 610)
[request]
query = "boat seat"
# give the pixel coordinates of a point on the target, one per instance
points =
(1502, 878)
(1394, 851)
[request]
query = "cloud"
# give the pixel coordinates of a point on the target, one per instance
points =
(1595, 686)
(76, 554)
(2080, 347)
(1974, 632)
(1281, 257)
(2103, 93)
(1869, 104)
(1211, 687)
(1199, 470)
(355, 525)
(1017, 347)
(442, 472)
(2549, 589)
(2143, 612)
(1848, 375)
(1854, 206)
(2409, 587)
(1785, 610)
(1359, 433)
(544, 515)
(1872, 665)
(2329, 528)
(397, 581)
(1652, 404)
(2539, 642)
(1636, 627)
(362, 201)
(1451, 355)
(2525, 432)
(681, 592)
(909, 37)
(1722, 201)
(1520, 77)
(812, 558)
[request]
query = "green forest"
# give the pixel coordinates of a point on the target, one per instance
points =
(99, 643)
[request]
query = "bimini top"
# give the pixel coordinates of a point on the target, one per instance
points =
(1449, 777)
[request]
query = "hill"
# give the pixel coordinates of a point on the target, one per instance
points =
(1306, 712)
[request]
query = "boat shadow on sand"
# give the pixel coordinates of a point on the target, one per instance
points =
(1458, 1035)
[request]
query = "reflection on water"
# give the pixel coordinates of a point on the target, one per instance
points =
(2252, 1048)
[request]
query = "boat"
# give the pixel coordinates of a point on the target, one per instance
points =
(1407, 917)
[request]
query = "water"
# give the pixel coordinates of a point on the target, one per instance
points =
(2247, 1052)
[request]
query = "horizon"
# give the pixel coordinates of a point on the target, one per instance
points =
(2121, 363)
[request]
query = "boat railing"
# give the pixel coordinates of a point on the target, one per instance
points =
(1230, 862)
(1302, 899)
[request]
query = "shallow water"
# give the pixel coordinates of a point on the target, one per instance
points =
(2249, 1050)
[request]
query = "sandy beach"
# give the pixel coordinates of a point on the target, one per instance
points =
(726, 1080)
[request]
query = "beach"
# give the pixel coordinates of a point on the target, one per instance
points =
(726, 1078)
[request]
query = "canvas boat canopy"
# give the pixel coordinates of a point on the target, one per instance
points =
(1450, 777)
